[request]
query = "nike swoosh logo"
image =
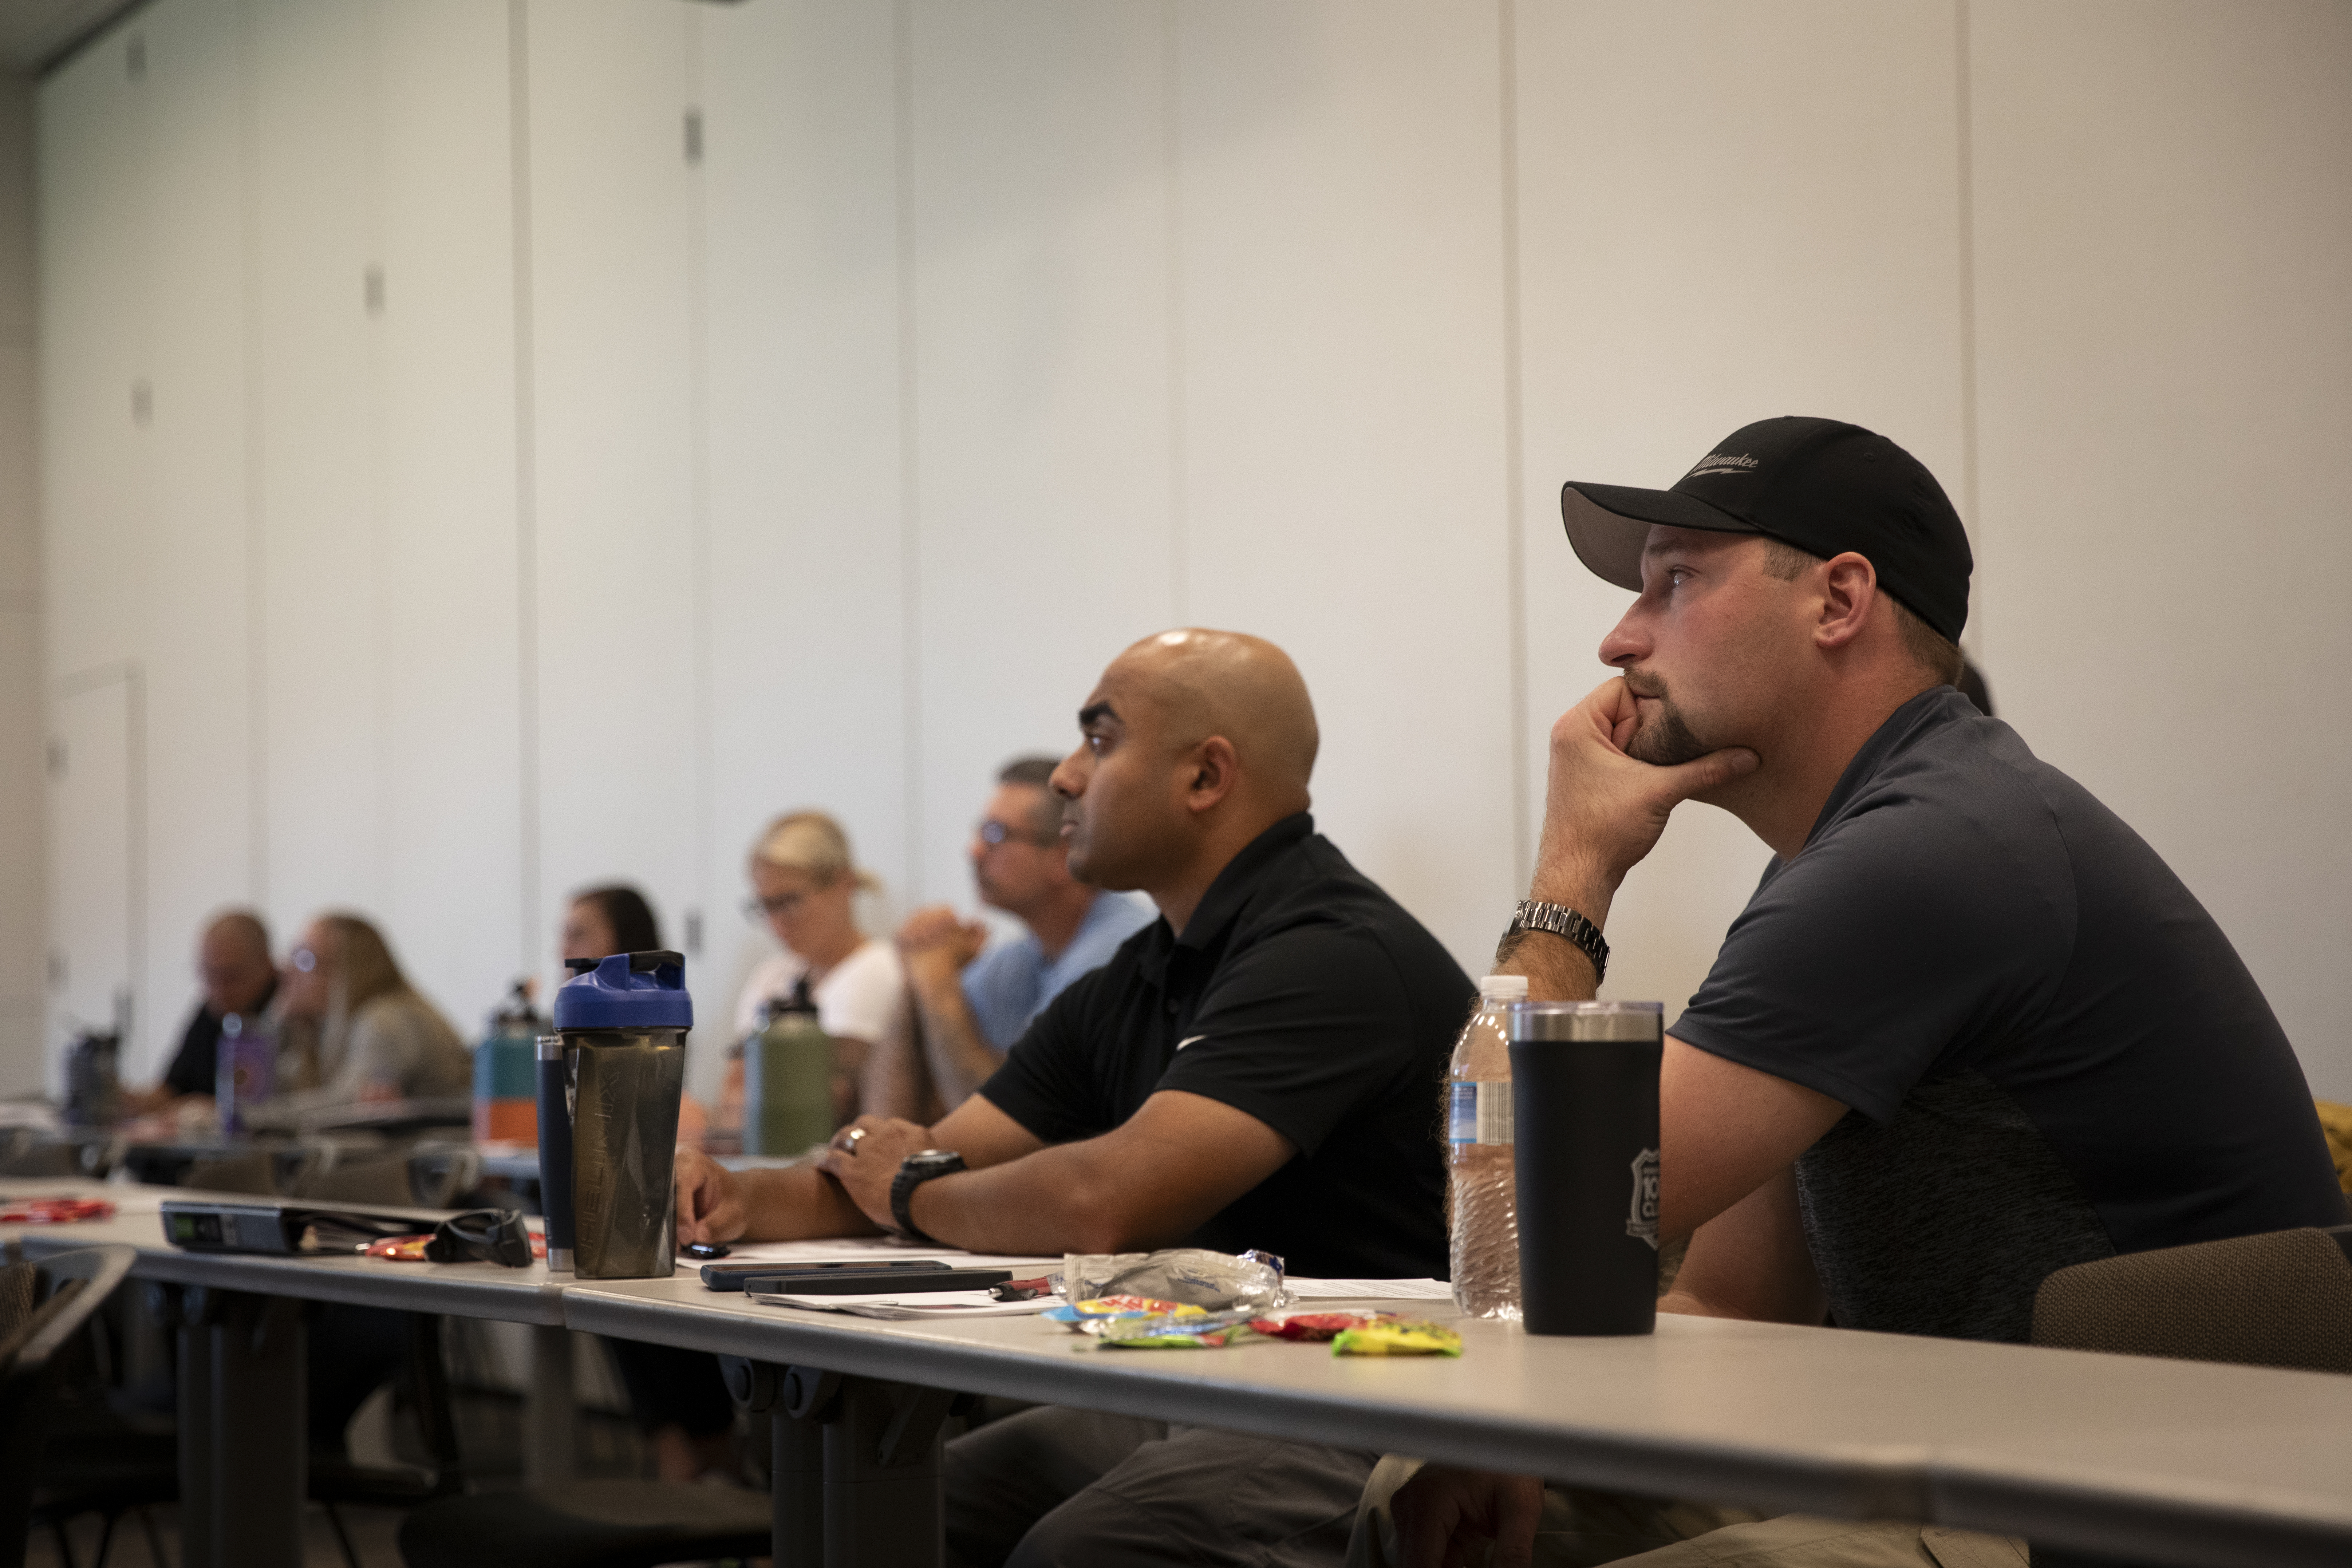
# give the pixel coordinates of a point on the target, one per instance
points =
(1191, 1040)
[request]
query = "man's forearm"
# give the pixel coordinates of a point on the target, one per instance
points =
(1055, 1200)
(961, 1060)
(796, 1204)
(1556, 968)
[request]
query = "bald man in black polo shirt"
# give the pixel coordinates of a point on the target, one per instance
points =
(1257, 1068)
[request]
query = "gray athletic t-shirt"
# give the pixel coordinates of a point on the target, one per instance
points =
(2051, 1052)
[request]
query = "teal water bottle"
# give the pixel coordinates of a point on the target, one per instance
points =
(505, 1106)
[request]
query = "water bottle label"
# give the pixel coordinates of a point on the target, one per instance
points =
(1479, 1114)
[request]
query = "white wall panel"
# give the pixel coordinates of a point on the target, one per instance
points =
(1041, 344)
(94, 464)
(1343, 384)
(800, 276)
(614, 451)
(444, 353)
(2163, 219)
(93, 261)
(22, 922)
(1727, 213)
(196, 615)
(323, 544)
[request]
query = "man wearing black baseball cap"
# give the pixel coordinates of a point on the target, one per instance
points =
(1969, 1027)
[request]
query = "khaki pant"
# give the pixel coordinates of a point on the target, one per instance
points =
(1579, 1529)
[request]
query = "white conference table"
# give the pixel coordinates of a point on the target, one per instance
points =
(2151, 1461)
(242, 1421)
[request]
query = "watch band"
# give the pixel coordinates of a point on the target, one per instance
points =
(1562, 921)
(913, 1172)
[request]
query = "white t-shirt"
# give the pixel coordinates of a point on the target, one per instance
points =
(863, 997)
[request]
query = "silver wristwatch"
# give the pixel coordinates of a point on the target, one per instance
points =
(1561, 921)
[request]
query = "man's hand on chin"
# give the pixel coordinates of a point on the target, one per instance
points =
(865, 1159)
(1605, 809)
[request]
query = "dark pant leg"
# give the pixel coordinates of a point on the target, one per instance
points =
(1206, 1499)
(673, 1387)
(1004, 1477)
(351, 1352)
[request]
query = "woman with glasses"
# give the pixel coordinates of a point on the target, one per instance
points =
(356, 1029)
(804, 887)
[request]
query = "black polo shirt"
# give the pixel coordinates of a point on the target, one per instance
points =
(1303, 995)
(191, 1072)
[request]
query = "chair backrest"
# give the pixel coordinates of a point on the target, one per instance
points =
(430, 1178)
(82, 1154)
(288, 1171)
(2279, 1300)
(32, 1328)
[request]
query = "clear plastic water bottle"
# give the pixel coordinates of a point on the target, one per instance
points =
(1482, 1196)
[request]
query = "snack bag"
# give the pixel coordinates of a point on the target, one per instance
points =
(1315, 1328)
(1398, 1336)
(1219, 1281)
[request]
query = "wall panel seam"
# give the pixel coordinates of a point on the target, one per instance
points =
(910, 432)
(526, 475)
(1514, 544)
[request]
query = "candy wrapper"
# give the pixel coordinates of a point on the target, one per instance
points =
(1315, 1328)
(1219, 1281)
(1397, 1336)
(1102, 1308)
(1193, 1329)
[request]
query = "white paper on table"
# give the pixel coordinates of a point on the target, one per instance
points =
(1369, 1290)
(926, 1304)
(882, 1249)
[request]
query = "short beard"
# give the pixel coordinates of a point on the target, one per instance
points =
(1666, 739)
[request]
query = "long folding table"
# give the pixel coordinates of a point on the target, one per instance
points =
(2150, 1461)
(241, 1397)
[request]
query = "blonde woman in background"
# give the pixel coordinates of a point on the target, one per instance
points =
(804, 886)
(355, 1029)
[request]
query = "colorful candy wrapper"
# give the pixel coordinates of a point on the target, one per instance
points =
(1099, 1309)
(1191, 1330)
(1315, 1328)
(1397, 1336)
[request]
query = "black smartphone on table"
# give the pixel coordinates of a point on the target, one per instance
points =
(894, 1271)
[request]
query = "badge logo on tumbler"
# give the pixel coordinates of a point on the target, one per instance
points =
(1643, 1220)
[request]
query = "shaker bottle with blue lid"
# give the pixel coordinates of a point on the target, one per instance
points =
(610, 1080)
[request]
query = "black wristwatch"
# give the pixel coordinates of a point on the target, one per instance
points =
(1562, 921)
(913, 1172)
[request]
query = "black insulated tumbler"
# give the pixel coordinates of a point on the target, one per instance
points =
(1584, 1093)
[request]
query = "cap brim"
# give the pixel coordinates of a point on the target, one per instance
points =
(1608, 525)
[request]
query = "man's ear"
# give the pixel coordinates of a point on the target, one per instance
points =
(1215, 771)
(1849, 595)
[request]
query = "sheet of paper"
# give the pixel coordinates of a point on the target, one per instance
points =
(1369, 1289)
(883, 1249)
(924, 1304)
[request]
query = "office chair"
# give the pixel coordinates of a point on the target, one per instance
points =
(42, 1307)
(2281, 1300)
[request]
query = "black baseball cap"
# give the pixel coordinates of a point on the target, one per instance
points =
(1821, 484)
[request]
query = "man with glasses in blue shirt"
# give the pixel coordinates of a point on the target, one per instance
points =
(974, 1001)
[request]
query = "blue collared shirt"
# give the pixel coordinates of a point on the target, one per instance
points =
(1009, 986)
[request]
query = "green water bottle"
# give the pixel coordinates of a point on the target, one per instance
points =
(788, 1079)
